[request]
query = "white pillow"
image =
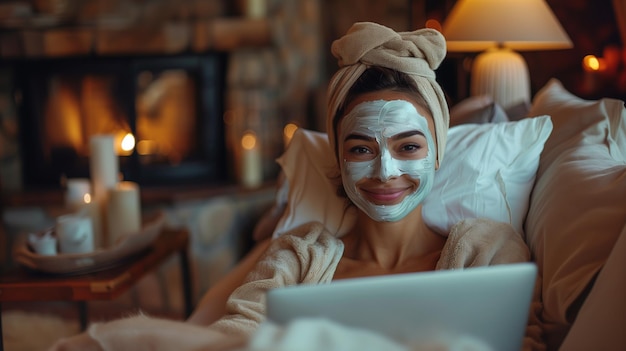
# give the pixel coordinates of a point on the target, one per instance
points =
(578, 205)
(488, 171)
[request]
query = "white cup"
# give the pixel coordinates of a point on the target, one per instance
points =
(45, 245)
(75, 233)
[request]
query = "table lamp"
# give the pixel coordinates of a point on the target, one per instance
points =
(497, 29)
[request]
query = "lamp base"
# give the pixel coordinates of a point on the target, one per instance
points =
(503, 75)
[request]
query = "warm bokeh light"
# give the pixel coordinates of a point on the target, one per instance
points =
(128, 142)
(248, 141)
(591, 63)
(124, 143)
(289, 129)
(87, 198)
(434, 24)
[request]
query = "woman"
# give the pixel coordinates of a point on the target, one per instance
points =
(387, 124)
(377, 47)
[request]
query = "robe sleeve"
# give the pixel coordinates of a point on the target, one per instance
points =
(307, 255)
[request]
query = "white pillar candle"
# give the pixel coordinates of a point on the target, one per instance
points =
(251, 168)
(123, 211)
(104, 169)
(74, 233)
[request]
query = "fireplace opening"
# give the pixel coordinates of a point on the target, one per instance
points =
(165, 113)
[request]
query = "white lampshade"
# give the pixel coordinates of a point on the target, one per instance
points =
(498, 27)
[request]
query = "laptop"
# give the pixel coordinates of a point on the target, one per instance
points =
(490, 303)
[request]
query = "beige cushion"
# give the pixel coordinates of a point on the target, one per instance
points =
(578, 205)
(477, 109)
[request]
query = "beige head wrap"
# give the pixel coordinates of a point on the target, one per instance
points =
(416, 53)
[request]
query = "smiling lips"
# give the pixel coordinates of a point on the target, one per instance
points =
(385, 196)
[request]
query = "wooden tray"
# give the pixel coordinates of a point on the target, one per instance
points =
(93, 261)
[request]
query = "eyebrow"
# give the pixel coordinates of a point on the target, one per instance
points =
(407, 134)
(399, 136)
(358, 137)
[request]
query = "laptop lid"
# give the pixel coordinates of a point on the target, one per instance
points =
(490, 303)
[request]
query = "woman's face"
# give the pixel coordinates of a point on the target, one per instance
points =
(387, 152)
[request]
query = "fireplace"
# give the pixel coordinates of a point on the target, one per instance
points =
(166, 113)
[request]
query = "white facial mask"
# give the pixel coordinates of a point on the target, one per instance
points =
(382, 120)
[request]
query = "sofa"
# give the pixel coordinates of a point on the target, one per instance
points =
(555, 169)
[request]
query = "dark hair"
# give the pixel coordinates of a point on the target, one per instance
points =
(375, 78)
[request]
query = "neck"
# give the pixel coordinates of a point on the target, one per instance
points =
(392, 244)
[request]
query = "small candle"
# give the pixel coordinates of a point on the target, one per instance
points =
(123, 211)
(90, 208)
(251, 169)
(75, 192)
(591, 70)
(288, 131)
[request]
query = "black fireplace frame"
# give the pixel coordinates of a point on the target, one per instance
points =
(207, 166)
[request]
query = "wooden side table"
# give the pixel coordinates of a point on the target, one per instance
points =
(23, 285)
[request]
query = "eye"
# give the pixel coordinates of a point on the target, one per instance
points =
(360, 150)
(410, 148)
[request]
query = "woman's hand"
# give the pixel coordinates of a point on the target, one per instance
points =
(80, 342)
(482, 242)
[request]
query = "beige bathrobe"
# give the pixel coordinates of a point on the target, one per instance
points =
(309, 255)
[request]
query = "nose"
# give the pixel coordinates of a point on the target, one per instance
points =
(385, 166)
